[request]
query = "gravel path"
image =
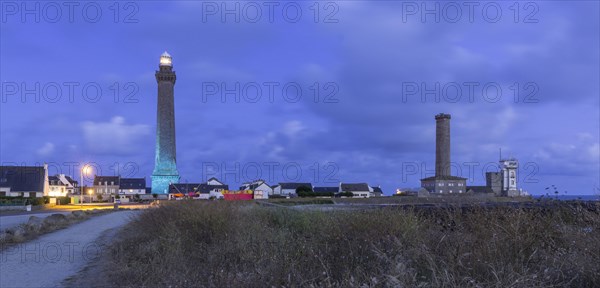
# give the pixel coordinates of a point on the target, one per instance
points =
(50, 259)
(7, 222)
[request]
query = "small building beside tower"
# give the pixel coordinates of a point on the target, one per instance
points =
(501, 183)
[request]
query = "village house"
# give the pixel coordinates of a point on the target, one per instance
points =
(376, 192)
(106, 185)
(24, 181)
(289, 188)
(130, 187)
(213, 188)
(260, 188)
(359, 190)
(61, 185)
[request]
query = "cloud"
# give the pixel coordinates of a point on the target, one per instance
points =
(115, 137)
(46, 150)
(292, 128)
(369, 133)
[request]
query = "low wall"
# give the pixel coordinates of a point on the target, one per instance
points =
(12, 208)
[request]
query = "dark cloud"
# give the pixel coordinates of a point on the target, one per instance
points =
(371, 133)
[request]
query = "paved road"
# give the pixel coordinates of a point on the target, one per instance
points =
(7, 222)
(48, 260)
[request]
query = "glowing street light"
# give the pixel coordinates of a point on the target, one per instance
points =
(84, 169)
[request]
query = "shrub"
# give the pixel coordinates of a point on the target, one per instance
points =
(231, 244)
(63, 200)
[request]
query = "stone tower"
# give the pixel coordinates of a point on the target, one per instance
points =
(442, 144)
(165, 169)
(443, 182)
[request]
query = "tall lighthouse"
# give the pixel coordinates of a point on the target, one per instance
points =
(165, 168)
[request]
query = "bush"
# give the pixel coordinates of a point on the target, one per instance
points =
(35, 201)
(315, 194)
(324, 194)
(12, 200)
(304, 191)
(63, 200)
(306, 194)
(230, 244)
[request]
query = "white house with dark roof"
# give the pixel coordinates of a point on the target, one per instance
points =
(129, 187)
(359, 190)
(24, 181)
(214, 181)
(259, 187)
(376, 191)
(289, 188)
(61, 185)
(56, 188)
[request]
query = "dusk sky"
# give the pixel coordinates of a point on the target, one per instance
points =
(534, 79)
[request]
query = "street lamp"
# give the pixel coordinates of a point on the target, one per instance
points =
(91, 197)
(83, 170)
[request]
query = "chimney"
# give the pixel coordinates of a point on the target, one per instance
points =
(442, 145)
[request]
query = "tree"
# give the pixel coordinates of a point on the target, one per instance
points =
(304, 191)
(155, 196)
(99, 196)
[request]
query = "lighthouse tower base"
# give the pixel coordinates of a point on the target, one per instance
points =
(160, 183)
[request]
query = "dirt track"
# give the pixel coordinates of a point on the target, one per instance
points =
(50, 259)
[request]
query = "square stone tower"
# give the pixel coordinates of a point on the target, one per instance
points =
(165, 169)
(443, 182)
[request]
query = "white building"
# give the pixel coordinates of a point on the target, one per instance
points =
(24, 181)
(260, 187)
(61, 185)
(509, 177)
(359, 190)
(129, 187)
(289, 188)
(215, 182)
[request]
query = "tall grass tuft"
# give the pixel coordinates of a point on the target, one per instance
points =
(235, 244)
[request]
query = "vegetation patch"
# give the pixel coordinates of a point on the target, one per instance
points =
(37, 226)
(240, 244)
(301, 201)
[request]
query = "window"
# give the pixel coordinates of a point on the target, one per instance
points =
(459, 191)
(450, 191)
(441, 191)
(440, 184)
(460, 184)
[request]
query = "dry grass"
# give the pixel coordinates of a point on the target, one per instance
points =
(240, 244)
(32, 230)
